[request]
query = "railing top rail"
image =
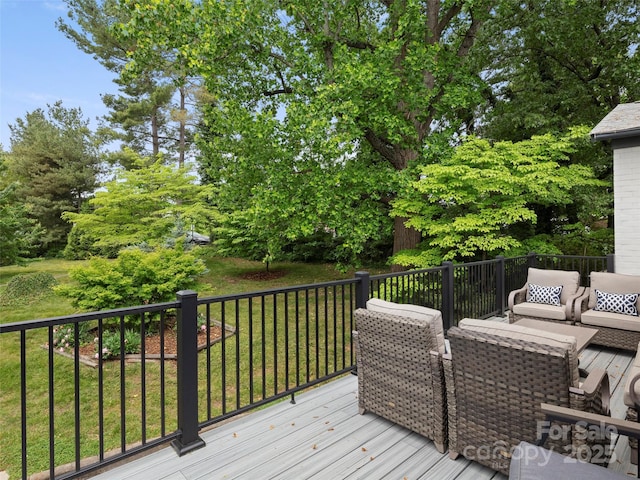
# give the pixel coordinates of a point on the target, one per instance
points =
(81, 317)
(275, 291)
(407, 272)
(580, 257)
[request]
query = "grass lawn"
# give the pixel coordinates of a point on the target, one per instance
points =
(224, 276)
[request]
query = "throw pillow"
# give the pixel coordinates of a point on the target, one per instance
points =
(547, 295)
(624, 303)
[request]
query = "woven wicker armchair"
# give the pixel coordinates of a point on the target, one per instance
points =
(522, 305)
(399, 362)
(498, 374)
(631, 399)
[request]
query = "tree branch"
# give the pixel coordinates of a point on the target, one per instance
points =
(381, 146)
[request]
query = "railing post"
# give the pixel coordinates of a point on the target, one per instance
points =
(611, 264)
(362, 289)
(447, 295)
(187, 371)
(500, 282)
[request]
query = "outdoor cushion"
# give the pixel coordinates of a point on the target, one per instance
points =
(624, 303)
(610, 320)
(570, 281)
(613, 283)
(529, 309)
(545, 295)
(432, 316)
(541, 337)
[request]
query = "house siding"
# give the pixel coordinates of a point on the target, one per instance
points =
(626, 188)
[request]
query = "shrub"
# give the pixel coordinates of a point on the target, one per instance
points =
(27, 288)
(111, 343)
(134, 278)
(64, 335)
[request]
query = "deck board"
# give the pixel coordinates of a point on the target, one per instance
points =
(322, 436)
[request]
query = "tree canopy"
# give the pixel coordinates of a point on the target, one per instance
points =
(147, 205)
(468, 204)
(365, 80)
(56, 163)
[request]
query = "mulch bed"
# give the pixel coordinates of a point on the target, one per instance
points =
(152, 342)
(263, 275)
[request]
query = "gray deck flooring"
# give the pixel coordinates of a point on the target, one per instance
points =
(322, 436)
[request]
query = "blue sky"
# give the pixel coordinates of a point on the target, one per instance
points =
(39, 65)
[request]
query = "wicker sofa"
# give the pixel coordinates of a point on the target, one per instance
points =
(399, 352)
(498, 374)
(559, 308)
(592, 309)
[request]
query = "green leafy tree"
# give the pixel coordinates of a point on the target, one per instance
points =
(55, 162)
(363, 83)
(19, 234)
(475, 202)
(143, 115)
(145, 205)
(553, 64)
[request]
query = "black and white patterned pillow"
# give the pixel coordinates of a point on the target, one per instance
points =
(548, 295)
(624, 303)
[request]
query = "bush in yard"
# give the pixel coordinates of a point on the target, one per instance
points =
(134, 278)
(26, 288)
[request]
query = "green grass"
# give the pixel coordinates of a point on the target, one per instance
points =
(225, 276)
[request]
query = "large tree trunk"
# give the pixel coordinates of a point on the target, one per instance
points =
(403, 238)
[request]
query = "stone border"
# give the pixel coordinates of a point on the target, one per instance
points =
(137, 357)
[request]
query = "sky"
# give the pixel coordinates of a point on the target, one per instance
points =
(39, 65)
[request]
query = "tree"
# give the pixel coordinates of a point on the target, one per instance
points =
(551, 65)
(474, 204)
(19, 234)
(145, 205)
(55, 161)
(143, 115)
(554, 64)
(380, 77)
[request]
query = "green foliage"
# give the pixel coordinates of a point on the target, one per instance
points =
(142, 115)
(28, 288)
(55, 161)
(64, 336)
(19, 234)
(141, 206)
(313, 108)
(467, 206)
(111, 346)
(81, 245)
(135, 278)
(548, 81)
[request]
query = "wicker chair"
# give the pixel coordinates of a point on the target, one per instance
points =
(399, 363)
(614, 329)
(498, 374)
(631, 399)
(521, 306)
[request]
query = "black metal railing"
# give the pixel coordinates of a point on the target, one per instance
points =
(270, 345)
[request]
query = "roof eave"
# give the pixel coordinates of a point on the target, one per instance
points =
(601, 137)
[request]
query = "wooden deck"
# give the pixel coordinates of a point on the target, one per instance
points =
(322, 436)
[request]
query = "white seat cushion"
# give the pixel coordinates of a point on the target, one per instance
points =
(610, 320)
(540, 310)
